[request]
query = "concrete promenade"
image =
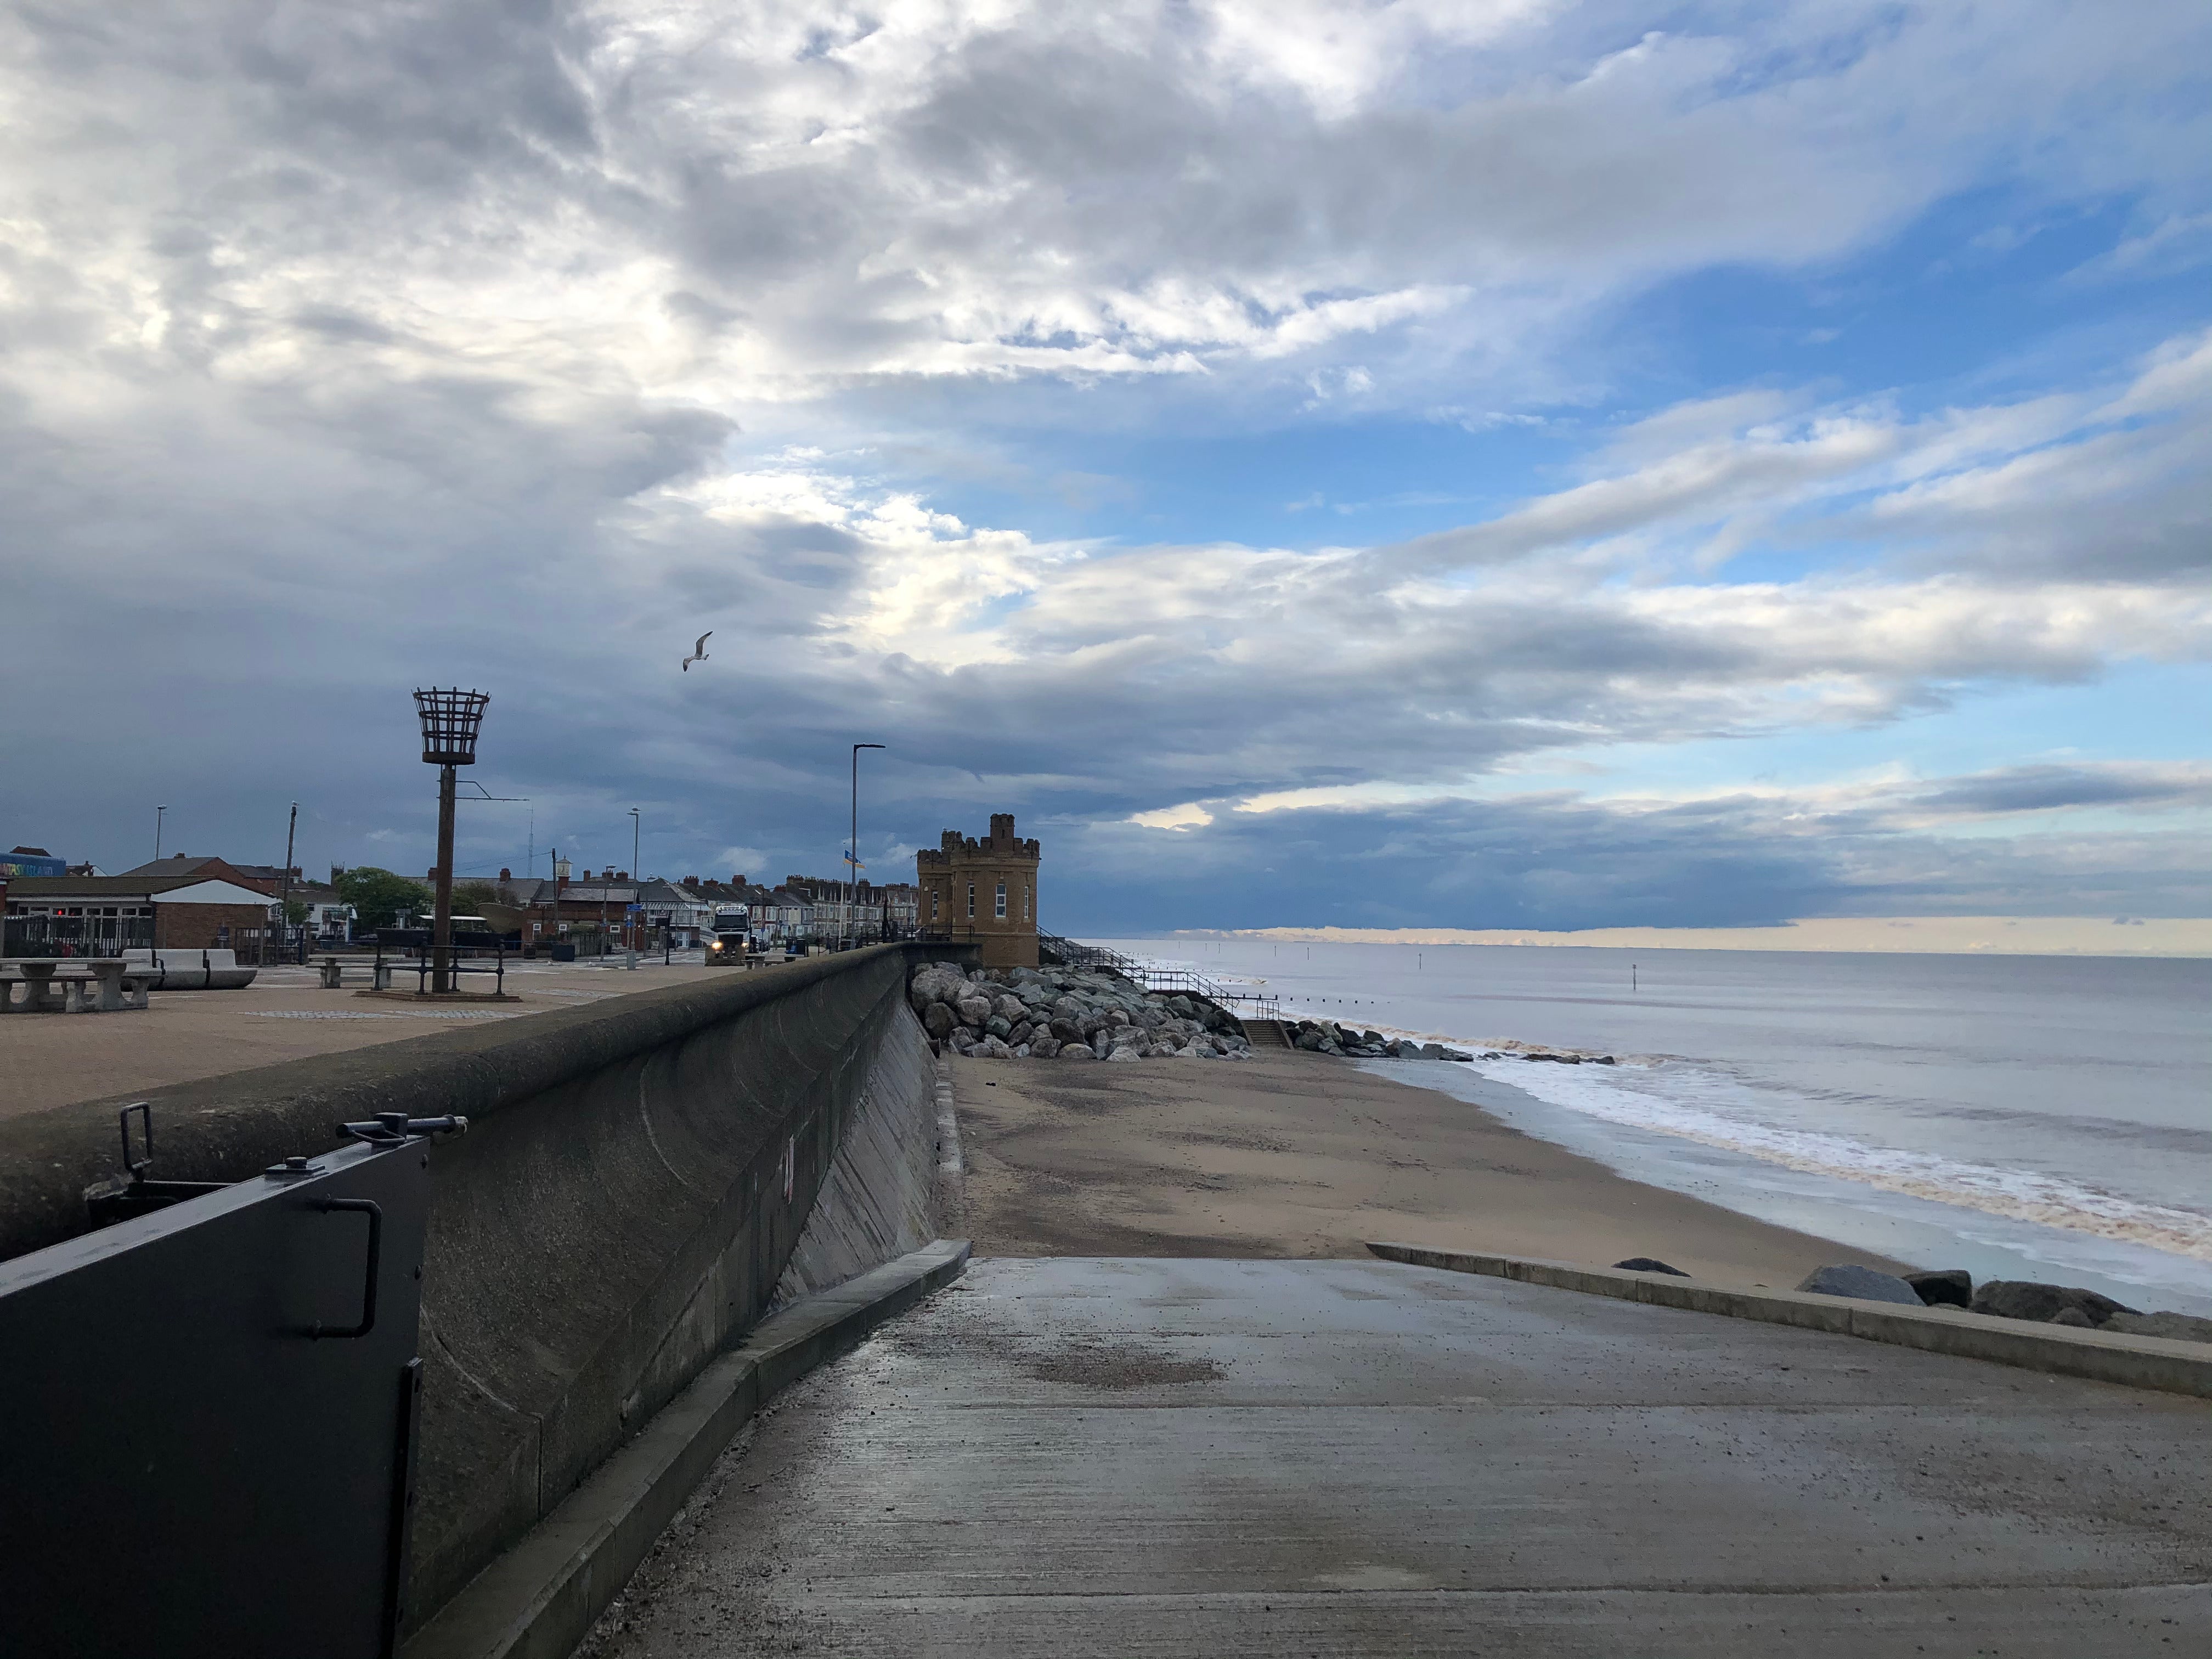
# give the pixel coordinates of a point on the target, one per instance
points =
(184, 1035)
(1079, 1456)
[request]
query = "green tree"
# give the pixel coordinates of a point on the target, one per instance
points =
(378, 896)
(470, 898)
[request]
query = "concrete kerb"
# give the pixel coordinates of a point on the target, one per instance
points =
(2135, 1361)
(951, 1168)
(539, 1600)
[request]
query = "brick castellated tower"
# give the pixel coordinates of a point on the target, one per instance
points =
(983, 893)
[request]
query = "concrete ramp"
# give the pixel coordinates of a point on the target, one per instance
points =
(1117, 1456)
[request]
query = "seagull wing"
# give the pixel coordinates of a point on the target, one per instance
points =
(701, 649)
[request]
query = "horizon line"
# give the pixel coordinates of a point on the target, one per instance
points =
(1953, 935)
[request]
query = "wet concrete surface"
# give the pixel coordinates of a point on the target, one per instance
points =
(1229, 1457)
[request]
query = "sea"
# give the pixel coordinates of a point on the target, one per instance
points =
(2022, 1117)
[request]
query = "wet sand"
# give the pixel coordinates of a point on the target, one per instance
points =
(1300, 1155)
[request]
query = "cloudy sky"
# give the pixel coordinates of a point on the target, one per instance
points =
(1448, 463)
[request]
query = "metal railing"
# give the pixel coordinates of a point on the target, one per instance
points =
(1069, 954)
(1245, 1005)
(76, 936)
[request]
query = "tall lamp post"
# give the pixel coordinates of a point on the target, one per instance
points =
(853, 851)
(636, 876)
(284, 898)
(451, 721)
(158, 811)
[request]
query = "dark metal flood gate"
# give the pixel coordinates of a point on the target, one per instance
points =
(206, 1420)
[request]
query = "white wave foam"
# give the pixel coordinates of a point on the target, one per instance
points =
(1652, 1098)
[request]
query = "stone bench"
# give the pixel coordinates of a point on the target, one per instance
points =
(71, 985)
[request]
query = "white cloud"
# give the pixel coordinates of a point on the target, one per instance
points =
(1190, 816)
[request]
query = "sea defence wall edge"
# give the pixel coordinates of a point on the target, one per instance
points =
(635, 1176)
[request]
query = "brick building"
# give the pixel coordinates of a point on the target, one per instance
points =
(982, 892)
(186, 911)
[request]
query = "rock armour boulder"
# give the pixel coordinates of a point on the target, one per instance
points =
(1951, 1287)
(1866, 1284)
(2022, 1298)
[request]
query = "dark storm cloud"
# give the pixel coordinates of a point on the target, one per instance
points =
(347, 351)
(1558, 864)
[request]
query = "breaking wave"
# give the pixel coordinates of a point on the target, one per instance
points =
(1687, 1101)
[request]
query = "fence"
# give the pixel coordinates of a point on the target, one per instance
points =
(76, 936)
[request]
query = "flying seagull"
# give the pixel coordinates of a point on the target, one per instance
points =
(698, 651)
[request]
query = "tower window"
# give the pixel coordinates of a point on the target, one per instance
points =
(971, 901)
(1001, 911)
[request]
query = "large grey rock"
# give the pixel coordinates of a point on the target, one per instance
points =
(1950, 1287)
(1043, 1045)
(1008, 1008)
(1075, 1051)
(938, 1020)
(2023, 1298)
(998, 1026)
(1067, 1030)
(1067, 1008)
(2175, 1328)
(973, 1011)
(1867, 1284)
(1021, 1033)
(1125, 1051)
(1309, 1041)
(992, 1048)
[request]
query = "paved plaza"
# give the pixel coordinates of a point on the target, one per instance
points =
(52, 1060)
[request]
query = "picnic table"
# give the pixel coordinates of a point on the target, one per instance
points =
(72, 985)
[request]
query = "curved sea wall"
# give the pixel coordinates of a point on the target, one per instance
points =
(636, 1175)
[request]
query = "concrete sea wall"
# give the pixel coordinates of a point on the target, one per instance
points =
(636, 1176)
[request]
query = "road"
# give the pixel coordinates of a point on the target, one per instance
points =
(1086, 1455)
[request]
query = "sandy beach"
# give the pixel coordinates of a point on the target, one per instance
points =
(1300, 1155)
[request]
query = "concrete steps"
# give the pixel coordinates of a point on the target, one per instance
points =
(1267, 1033)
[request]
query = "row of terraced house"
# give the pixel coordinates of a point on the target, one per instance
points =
(643, 913)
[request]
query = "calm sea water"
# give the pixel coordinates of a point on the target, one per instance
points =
(2046, 1117)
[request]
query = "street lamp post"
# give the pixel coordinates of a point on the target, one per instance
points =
(636, 876)
(284, 898)
(158, 811)
(451, 721)
(853, 851)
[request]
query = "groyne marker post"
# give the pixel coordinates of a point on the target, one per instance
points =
(451, 721)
